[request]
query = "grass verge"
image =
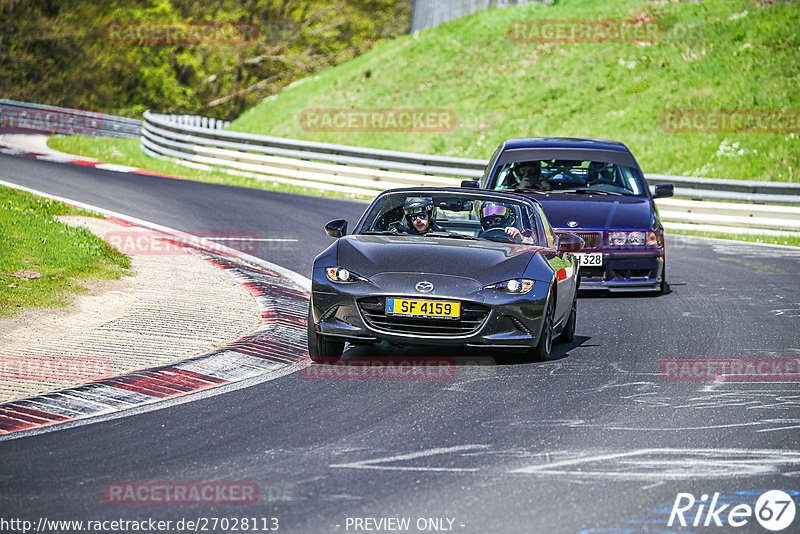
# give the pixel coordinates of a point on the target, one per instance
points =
(771, 240)
(43, 262)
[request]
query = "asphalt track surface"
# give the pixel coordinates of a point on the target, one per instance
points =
(595, 440)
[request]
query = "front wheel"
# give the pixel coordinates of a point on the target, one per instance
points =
(541, 352)
(321, 350)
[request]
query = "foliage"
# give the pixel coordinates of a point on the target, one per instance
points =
(60, 52)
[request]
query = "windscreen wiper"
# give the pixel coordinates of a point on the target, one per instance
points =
(586, 190)
(530, 190)
(452, 235)
(381, 232)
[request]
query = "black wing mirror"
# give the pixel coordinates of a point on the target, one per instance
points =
(473, 184)
(336, 228)
(664, 190)
(569, 243)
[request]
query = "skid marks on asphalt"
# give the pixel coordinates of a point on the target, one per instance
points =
(644, 464)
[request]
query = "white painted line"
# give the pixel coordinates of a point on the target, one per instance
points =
(371, 464)
(245, 238)
(675, 464)
(57, 159)
(115, 167)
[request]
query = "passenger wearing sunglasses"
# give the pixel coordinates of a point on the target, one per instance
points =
(502, 217)
(420, 215)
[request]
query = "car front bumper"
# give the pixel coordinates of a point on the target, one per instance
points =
(625, 271)
(355, 312)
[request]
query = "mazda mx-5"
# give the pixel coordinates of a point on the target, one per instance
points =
(445, 267)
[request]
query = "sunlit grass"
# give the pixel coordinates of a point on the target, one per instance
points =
(43, 262)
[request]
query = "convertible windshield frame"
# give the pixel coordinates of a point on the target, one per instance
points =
(457, 215)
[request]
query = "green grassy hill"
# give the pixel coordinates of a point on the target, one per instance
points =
(715, 54)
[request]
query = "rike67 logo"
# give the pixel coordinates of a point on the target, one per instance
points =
(774, 510)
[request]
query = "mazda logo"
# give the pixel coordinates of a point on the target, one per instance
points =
(424, 287)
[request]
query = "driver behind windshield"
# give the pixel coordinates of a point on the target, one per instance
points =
(530, 175)
(495, 216)
(420, 214)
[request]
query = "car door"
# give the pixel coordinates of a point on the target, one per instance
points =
(563, 265)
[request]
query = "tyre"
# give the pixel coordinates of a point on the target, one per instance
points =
(541, 352)
(662, 286)
(568, 334)
(321, 350)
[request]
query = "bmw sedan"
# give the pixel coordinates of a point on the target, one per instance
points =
(595, 189)
(445, 267)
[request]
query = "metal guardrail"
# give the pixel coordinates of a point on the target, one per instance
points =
(24, 117)
(429, 13)
(159, 130)
(163, 136)
(366, 171)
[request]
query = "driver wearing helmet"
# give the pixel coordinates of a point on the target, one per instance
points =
(500, 216)
(420, 215)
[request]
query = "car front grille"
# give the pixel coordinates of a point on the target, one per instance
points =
(374, 311)
(591, 239)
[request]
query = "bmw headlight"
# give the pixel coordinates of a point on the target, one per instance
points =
(340, 274)
(632, 239)
(518, 286)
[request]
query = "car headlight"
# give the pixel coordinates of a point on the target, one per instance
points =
(633, 239)
(340, 274)
(518, 286)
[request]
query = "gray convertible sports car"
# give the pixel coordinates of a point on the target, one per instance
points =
(445, 266)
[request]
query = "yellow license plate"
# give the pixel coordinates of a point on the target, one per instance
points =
(423, 308)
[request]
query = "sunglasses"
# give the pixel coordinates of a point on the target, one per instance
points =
(495, 219)
(422, 216)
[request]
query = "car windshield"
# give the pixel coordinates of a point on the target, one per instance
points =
(466, 216)
(569, 176)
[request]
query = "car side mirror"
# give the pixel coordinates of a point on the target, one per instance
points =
(569, 243)
(664, 190)
(474, 184)
(337, 228)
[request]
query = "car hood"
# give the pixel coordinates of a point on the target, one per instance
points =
(485, 262)
(597, 211)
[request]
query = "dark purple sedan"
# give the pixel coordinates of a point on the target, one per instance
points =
(593, 188)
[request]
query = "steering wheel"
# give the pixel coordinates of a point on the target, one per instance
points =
(497, 234)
